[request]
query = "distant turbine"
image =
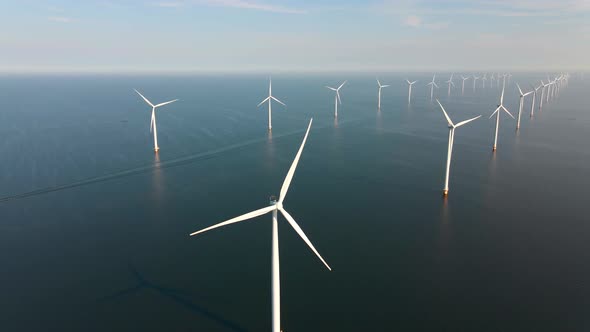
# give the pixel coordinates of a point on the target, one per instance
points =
(475, 78)
(497, 112)
(452, 128)
(410, 89)
(153, 120)
(484, 79)
(432, 85)
(270, 98)
(336, 98)
(463, 86)
(449, 82)
(534, 99)
(380, 87)
(543, 85)
(492, 78)
(522, 95)
(276, 205)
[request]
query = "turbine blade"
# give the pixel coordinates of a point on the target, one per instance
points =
(243, 217)
(446, 115)
(466, 121)
(341, 85)
(384, 86)
(435, 84)
(338, 95)
(496, 111)
(505, 110)
(291, 171)
(264, 101)
(331, 88)
(166, 103)
(278, 101)
(519, 90)
(408, 81)
(144, 98)
(299, 231)
(379, 83)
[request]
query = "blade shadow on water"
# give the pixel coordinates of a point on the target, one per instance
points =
(180, 297)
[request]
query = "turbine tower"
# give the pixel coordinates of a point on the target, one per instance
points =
(276, 206)
(270, 98)
(336, 97)
(153, 120)
(534, 99)
(410, 89)
(521, 104)
(432, 85)
(450, 82)
(497, 112)
(463, 86)
(380, 87)
(452, 128)
(475, 78)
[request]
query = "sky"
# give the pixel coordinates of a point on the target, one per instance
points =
(289, 35)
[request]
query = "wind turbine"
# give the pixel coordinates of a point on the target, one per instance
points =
(153, 120)
(380, 87)
(270, 98)
(484, 79)
(475, 78)
(463, 86)
(449, 82)
(336, 98)
(497, 112)
(543, 85)
(276, 206)
(522, 95)
(410, 89)
(534, 99)
(452, 128)
(432, 85)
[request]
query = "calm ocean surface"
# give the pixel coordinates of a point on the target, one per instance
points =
(94, 227)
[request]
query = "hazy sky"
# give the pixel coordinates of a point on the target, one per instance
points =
(273, 35)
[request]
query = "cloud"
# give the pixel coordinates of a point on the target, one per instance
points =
(413, 21)
(168, 4)
(417, 22)
(60, 19)
(247, 4)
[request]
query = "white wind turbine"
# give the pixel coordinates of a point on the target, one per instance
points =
(432, 85)
(336, 98)
(497, 112)
(452, 128)
(521, 104)
(543, 85)
(534, 99)
(410, 89)
(475, 78)
(463, 86)
(380, 87)
(276, 206)
(153, 120)
(270, 98)
(484, 79)
(450, 82)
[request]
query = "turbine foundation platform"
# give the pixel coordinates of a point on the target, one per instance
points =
(445, 192)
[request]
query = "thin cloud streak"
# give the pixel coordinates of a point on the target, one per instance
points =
(244, 4)
(60, 19)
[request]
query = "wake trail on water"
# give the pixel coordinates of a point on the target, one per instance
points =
(180, 161)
